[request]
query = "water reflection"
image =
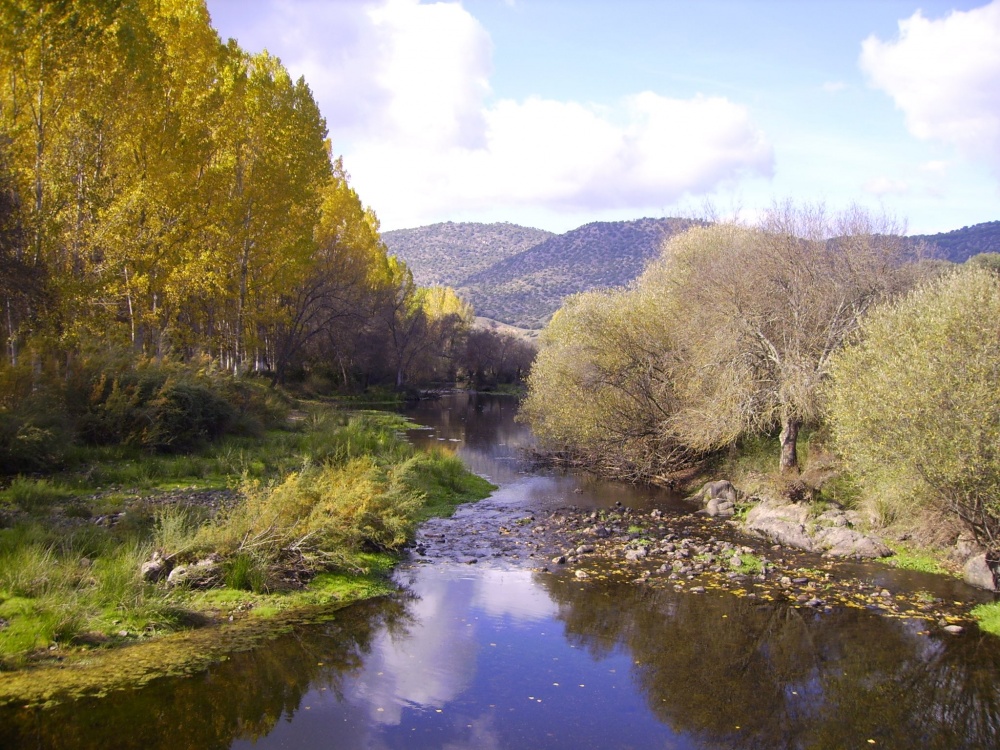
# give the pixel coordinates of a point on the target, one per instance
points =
(479, 658)
(733, 673)
(246, 696)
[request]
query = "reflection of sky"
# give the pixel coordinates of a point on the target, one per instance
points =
(484, 665)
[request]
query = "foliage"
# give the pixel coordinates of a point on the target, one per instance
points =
(601, 387)
(175, 196)
(727, 335)
(767, 306)
(914, 406)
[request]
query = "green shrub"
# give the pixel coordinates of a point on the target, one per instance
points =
(914, 404)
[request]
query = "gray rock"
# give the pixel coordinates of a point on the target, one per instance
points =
(203, 574)
(978, 572)
(791, 525)
(953, 629)
(718, 498)
(784, 524)
(155, 568)
(635, 554)
(840, 541)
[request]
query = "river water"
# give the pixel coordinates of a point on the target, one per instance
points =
(499, 655)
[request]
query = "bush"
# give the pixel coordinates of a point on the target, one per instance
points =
(915, 408)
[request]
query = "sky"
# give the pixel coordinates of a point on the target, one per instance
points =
(556, 113)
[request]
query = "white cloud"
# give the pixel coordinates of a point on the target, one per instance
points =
(886, 186)
(405, 88)
(943, 74)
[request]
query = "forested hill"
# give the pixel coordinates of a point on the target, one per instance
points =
(448, 253)
(521, 285)
(961, 244)
(527, 288)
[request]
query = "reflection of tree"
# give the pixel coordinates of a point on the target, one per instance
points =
(736, 673)
(242, 698)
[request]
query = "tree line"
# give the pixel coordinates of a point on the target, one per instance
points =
(173, 195)
(802, 319)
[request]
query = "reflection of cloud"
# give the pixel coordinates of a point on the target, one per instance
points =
(943, 75)
(428, 666)
(483, 735)
(514, 593)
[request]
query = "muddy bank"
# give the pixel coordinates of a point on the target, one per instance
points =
(688, 552)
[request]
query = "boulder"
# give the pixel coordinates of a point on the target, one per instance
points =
(718, 498)
(830, 533)
(155, 568)
(980, 572)
(202, 574)
(784, 524)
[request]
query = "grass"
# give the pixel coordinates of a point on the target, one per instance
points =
(924, 561)
(988, 617)
(332, 499)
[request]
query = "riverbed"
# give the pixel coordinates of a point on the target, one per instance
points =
(492, 644)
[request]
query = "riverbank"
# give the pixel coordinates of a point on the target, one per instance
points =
(77, 573)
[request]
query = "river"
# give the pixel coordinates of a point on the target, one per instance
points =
(490, 651)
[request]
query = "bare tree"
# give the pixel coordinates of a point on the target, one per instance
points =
(764, 308)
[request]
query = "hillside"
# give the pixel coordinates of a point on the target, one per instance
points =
(525, 289)
(520, 276)
(450, 252)
(961, 244)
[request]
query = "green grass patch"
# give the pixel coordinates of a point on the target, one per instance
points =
(924, 561)
(749, 564)
(988, 617)
(34, 494)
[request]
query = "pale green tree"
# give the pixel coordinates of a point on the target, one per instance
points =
(914, 404)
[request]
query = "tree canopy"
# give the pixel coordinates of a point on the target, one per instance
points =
(914, 404)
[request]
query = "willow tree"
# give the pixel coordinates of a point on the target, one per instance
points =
(766, 307)
(914, 404)
(601, 389)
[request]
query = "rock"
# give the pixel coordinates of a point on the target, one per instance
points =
(953, 629)
(790, 524)
(582, 574)
(980, 572)
(736, 561)
(155, 568)
(561, 560)
(203, 574)
(784, 524)
(844, 542)
(585, 549)
(698, 590)
(635, 554)
(719, 498)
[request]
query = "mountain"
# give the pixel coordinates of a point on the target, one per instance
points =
(520, 276)
(961, 244)
(526, 288)
(446, 254)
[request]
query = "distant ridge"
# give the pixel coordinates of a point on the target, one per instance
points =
(447, 253)
(520, 275)
(959, 245)
(525, 289)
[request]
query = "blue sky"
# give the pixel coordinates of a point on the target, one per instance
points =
(554, 113)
